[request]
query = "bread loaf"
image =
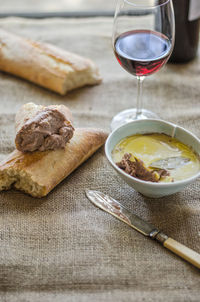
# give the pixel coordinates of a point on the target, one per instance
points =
(37, 173)
(45, 64)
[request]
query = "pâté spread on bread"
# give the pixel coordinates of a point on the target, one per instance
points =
(60, 149)
(43, 128)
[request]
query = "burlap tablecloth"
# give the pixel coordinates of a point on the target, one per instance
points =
(62, 248)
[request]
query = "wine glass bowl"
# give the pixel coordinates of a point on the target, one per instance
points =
(143, 39)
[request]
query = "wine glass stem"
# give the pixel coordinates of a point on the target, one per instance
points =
(139, 96)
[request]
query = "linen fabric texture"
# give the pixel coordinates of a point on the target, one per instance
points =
(63, 248)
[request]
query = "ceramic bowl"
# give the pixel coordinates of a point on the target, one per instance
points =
(150, 189)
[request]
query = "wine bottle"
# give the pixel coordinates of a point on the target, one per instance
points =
(187, 33)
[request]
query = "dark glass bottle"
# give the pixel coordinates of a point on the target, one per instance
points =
(187, 33)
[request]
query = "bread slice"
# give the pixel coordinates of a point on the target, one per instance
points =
(45, 64)
(37, 173)
(42, 128)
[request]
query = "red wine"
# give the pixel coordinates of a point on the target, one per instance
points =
(142, 52)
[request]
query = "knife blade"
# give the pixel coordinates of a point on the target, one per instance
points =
(113, 207)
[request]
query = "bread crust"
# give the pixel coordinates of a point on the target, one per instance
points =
(38, 173)
(45, 64)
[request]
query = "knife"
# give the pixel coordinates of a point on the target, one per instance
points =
(114, 208)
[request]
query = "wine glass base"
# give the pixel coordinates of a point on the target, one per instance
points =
(129, 115)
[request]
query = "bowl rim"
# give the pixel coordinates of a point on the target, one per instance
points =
(148, 183)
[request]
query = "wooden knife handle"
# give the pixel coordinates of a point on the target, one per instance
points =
(182, 251)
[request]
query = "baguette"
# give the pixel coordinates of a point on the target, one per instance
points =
(42, 128)
(39, 172)
(45, 64)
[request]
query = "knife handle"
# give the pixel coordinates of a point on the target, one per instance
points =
(178, 248)
(183, 251)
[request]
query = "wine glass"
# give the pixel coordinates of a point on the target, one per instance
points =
(143, 40)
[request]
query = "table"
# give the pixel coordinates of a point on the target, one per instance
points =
(53, 6)
(62, 248)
